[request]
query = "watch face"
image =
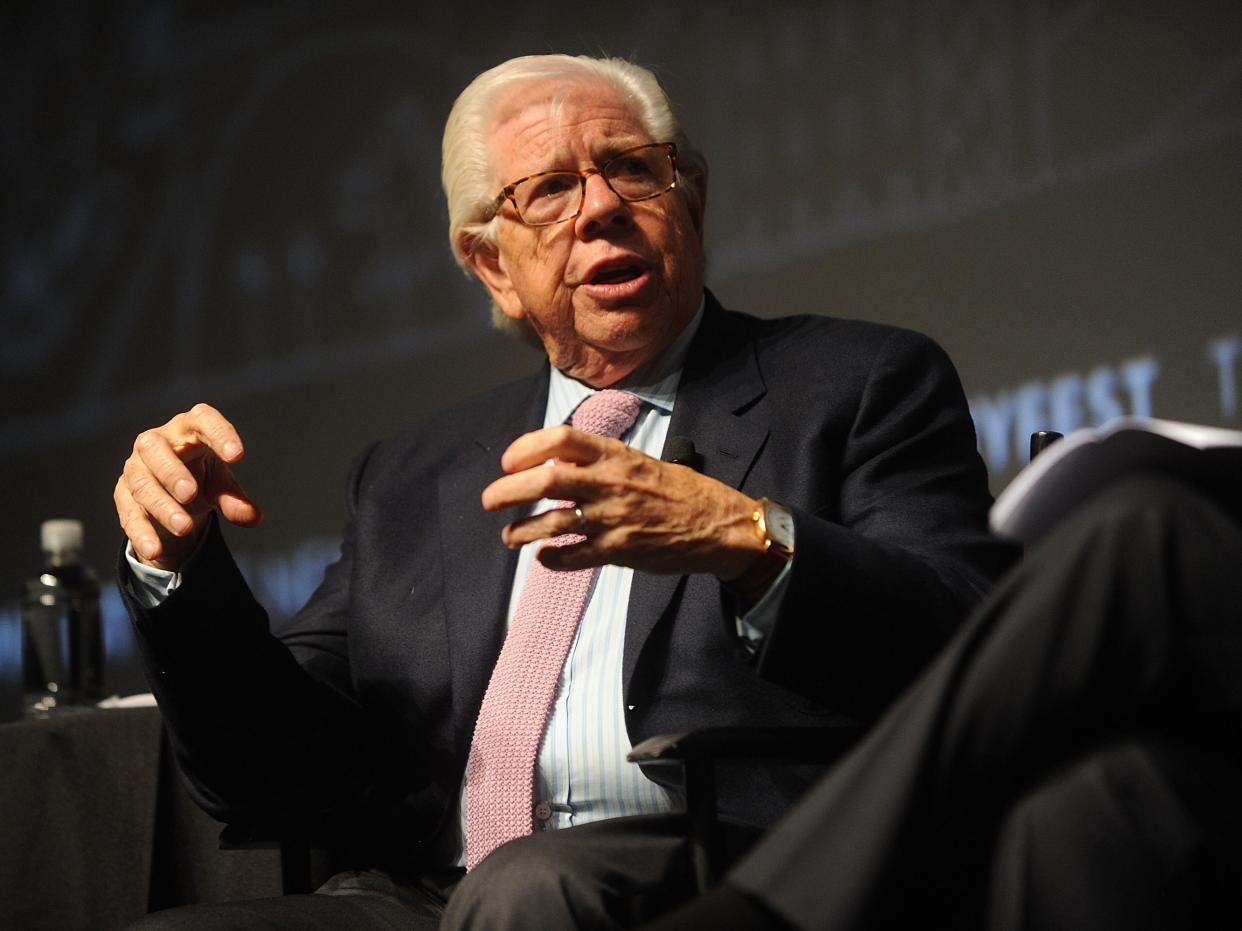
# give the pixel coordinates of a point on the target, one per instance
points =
(780, 525)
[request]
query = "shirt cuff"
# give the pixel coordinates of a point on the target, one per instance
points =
(758, 622)
(153, 586)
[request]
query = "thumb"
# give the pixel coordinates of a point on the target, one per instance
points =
(233, 503)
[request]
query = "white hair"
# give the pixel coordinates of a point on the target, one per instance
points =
(465, 166)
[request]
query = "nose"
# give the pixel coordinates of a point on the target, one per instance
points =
(602, 209)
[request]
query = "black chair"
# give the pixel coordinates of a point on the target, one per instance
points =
(309, 853)
(699, 752)
(1041, 440)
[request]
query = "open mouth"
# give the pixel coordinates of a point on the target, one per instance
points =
(616, 274)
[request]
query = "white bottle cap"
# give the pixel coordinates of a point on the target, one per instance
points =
(61, 536)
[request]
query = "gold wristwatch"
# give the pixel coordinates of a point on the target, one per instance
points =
(774, 526)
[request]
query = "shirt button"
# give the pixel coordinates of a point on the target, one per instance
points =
(543, 811)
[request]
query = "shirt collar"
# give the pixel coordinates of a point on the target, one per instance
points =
(655, 381)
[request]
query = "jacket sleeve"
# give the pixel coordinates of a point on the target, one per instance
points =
(259, 725)
(883, 575)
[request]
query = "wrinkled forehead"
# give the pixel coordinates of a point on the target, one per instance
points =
(546, 121)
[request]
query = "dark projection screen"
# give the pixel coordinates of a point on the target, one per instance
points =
(240, 204)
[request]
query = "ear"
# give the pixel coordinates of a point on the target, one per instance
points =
(488, 266)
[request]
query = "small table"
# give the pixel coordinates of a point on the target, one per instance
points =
(97, 828)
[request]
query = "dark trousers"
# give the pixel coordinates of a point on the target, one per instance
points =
(1072, 760)
(605, 875)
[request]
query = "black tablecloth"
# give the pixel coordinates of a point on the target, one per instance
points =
(96, 827)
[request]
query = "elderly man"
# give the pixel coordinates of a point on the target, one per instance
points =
(470, 675)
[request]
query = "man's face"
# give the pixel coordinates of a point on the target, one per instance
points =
(610, 289)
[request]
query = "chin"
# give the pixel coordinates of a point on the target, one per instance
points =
(624, 342)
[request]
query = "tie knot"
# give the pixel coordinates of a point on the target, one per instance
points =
(607, 413)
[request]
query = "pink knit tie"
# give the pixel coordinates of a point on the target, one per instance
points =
(501, 772)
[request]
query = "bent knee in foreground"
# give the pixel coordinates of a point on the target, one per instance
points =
(520, 884)
(609, 874)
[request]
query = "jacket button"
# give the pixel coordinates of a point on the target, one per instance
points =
(543, 811)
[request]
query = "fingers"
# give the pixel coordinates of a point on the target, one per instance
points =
(571, 556)
(569, 476)
(552, 523)
(156, 458)
(187, 438)
(233, 502)
(638, 512)
(136, 524)
(573, 551)
(555, 481)
(203, 425)
(175, 475)
(559, 442)
(153, 458)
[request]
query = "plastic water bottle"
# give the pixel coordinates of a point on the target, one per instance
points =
(62, 647)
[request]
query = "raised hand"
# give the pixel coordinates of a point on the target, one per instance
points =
(636, 510)
(177, 474)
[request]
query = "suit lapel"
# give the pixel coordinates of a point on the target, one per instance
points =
(720, 380)
(478, 568)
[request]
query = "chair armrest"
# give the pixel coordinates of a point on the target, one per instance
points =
(271, 833)
(308, 850)
(797, 744)
(245, 835)
(698, 751)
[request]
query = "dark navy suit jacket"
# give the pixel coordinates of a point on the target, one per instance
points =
(365, 701)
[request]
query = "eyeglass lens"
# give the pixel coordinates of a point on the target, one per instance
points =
(636, 174)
